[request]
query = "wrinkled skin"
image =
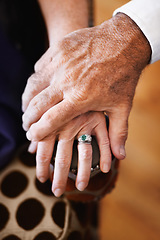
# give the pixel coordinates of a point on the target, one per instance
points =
(92, 69)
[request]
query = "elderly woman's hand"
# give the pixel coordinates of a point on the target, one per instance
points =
(92, 123)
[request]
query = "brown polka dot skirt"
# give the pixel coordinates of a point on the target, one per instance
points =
(30, 211)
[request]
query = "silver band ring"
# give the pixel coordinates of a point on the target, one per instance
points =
(85, 138)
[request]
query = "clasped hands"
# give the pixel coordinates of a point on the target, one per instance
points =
(75, 82)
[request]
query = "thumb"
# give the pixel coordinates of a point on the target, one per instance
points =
(53, 119)
(118, 132)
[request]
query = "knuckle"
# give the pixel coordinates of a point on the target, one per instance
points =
(33, 91)
(123, 134)
(63, 162)
(37, 66)
(25, 121)
(35, 133)
(24, 105)
(49, 118)
(43, 159)
(25, 124)
(105, 143)
(100, 118)
(32, 78)
(24, 98)
(31, 88)
(35, 105)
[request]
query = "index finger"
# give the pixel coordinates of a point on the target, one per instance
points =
(53, 119)
(40, 104)
(35, 84)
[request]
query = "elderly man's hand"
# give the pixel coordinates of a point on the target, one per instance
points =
(93, 69)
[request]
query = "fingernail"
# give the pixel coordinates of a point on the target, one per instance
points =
(28, 135)
(24, 127)
(105, 167)
(58, 192)
(42, 180)
(81, 186)
(32, 148)
(122, 151)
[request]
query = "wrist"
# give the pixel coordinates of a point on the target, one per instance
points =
(129, 40)
(59, 29)
(62, 17)
(139, 44)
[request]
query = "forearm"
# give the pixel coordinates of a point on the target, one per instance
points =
(62, 17)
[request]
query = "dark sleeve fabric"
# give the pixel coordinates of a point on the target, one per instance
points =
(18, 53)
(14, 71)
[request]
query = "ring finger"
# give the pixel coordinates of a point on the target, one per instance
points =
(84, 164)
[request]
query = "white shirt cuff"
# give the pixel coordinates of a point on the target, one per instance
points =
(146, 14)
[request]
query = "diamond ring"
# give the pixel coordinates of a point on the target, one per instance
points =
(85, 138)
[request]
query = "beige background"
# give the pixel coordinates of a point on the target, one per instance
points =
(132, 210)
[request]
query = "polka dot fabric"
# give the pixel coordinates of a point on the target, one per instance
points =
(29, 210)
